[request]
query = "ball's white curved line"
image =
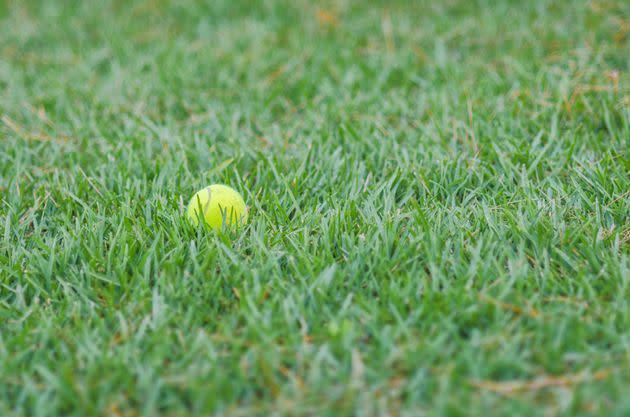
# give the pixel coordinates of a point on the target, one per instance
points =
(205, 208)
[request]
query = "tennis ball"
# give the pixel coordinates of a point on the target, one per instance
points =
(217, 205)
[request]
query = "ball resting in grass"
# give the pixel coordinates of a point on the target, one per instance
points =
(217, 205)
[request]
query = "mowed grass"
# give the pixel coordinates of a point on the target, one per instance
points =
(439, 208)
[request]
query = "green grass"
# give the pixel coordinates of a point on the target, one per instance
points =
(439, 203)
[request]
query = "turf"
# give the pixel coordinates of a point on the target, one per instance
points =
(438, 192)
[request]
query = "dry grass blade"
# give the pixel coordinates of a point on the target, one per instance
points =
(546, 381)
(531, 312)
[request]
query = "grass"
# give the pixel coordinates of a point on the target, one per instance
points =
(439, 203)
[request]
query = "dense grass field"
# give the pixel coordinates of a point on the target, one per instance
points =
(439, 198)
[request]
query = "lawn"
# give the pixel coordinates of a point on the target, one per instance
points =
(438, 193)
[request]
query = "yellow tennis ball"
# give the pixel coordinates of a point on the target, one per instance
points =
(217, 205)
